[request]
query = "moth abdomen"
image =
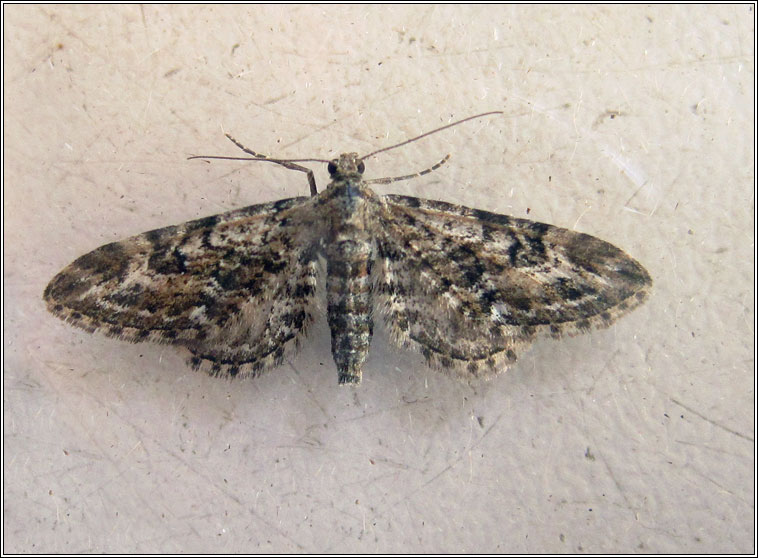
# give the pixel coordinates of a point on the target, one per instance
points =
(349, 304)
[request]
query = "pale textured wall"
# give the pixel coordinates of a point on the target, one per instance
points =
(633, 124)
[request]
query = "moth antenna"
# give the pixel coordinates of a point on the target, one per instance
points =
(432, 132)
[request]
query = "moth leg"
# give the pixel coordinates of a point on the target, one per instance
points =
(291, 166)
(407, 176)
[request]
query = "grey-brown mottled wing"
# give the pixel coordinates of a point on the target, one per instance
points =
(235, 288)
(469, 288)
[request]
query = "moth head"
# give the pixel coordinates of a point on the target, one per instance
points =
(347, 164)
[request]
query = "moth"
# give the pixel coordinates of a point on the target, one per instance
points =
(467, 288)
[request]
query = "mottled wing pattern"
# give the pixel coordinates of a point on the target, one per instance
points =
(469, 288)
(235, 288)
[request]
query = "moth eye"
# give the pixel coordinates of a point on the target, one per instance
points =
(332, 168)
(361, 167)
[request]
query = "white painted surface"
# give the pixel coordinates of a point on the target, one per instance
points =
(630, 123)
